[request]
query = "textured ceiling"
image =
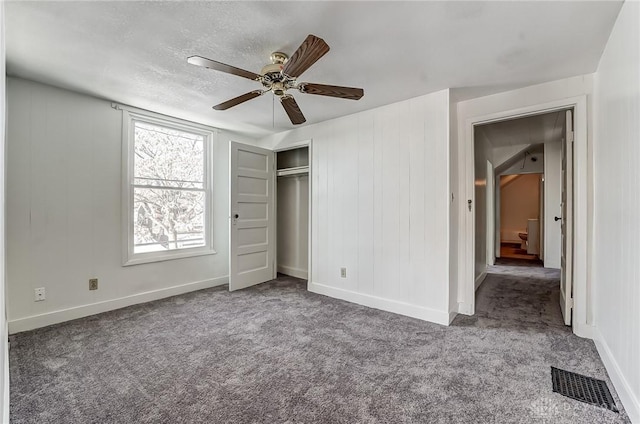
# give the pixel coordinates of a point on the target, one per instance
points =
(135, 52)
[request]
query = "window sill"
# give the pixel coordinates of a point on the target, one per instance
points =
(161, 257)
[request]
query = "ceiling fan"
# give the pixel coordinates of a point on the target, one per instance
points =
(281, 75)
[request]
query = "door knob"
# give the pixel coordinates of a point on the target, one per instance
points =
(557, 218)
(236, 216)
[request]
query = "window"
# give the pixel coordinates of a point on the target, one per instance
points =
(168, 192)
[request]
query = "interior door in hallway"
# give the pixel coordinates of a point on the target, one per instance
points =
(252, 216)
(566, 260)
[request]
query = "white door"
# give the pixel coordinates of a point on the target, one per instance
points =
(252, 217)
(566, 260)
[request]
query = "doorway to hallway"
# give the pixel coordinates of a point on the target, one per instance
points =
(521, 196)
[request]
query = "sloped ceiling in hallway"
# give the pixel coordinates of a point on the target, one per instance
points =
(135, 52)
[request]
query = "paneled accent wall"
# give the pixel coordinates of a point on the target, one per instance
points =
(616, 246)
(63, 212)
(380, 206)
(4, 347)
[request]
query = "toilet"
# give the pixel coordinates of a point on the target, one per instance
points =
(523, 237)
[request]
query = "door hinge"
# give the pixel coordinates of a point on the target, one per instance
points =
(571, 136)
(571, 303)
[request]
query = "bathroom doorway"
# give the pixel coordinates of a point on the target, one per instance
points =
(520, 205)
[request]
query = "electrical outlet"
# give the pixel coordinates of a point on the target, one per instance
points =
(343, 272)
(93, 284)
(39, 294)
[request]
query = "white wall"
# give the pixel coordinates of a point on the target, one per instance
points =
(483, 152)
(616, 247)
(380, 206)
(552, 204)
(4, 354)
(63, 212)
(293, 225)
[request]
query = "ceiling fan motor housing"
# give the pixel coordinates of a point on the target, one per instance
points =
(272, 73)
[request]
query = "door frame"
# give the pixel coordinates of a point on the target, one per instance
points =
(304, 143)
(580, 178)
(490, 215)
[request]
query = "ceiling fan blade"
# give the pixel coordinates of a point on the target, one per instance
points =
(237, 100)
(331, 90)
(293, 110)
(217, 66)
(311, 49)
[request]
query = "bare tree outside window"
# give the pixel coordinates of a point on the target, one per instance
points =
(168, 189)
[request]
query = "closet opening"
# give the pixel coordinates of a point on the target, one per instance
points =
(292, 210)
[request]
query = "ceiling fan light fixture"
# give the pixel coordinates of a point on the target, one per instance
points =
(278, 88)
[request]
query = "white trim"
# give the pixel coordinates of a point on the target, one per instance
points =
(452, 316)
(466, 253)
(170, 255)
(294, 272)
(6, 398)
(394, 306)
(629, 400)
(55, 317)
(164, 118)
(209, 134)
(490, 216)
(310, 211)
(479, 280)
(296, 145)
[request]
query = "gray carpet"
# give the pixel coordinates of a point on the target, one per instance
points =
(276, 353)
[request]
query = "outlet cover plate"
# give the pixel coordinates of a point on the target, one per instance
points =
(39, 294)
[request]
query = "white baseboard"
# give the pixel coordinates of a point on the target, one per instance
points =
(585, 330)
(401, 308)
(480, 279)
(452, 316)
(630, 400)
(55, 317)
(294, 272)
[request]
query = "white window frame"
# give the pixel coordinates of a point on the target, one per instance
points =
(129, 117)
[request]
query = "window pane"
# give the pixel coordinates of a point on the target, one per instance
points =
(166, 157)
(165, 219)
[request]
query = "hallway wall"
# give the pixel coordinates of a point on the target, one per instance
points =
(616, 247)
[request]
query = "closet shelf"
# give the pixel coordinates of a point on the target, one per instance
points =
(289, 172)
